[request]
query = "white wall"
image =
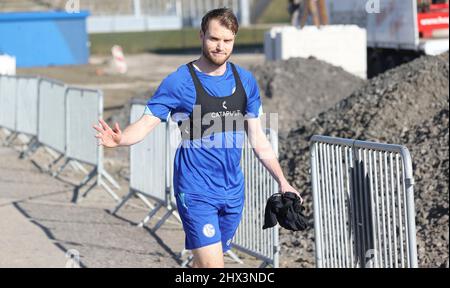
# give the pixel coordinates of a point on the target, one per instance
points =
(106, 24)
(340, 45)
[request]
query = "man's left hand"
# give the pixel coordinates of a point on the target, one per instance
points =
(286, 187)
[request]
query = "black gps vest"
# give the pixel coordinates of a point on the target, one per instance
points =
(214, 114)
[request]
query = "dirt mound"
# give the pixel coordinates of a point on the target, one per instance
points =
(428, 144)
(299, 88)
(407, 105)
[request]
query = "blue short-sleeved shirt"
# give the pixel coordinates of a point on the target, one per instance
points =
(206, 169)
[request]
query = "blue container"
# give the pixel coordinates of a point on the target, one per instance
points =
(45, 38)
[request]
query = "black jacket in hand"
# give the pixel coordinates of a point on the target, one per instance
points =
(286, 208)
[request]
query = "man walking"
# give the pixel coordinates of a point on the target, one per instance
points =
(208, 181)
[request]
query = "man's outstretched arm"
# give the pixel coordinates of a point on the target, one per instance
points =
(133, 134)
(263, 150)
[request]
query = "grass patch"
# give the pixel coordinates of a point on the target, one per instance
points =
(170, 41)
(276, 12)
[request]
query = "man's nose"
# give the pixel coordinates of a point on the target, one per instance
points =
(220, 45)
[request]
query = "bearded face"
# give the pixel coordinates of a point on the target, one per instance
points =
(217, 43)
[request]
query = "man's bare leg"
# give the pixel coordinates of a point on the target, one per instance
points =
(210, 256)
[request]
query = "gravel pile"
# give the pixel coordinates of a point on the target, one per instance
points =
(407, 105)
(299, 88)
(428, 142)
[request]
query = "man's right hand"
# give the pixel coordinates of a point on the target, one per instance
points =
(108, 137)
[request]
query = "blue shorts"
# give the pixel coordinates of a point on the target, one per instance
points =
(208, 220)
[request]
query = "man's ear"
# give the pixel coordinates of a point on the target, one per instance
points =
(201, 34)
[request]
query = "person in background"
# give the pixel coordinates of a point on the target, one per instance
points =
(317, 10)
(295, 8)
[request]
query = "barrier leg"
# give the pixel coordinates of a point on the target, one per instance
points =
(76, 190)
(163, 219)
(132, 193)
(86, 180)
(234, 257)
(182, 253)
(150, 215)
(109, 190)
(80, 167)
(10, 139)
(77, 166)
(32, 147)
(51, 152)
(187, 261)
(264, 264)
(124, 200)
(61, 168)
(54, 162)
(110, 179)
(150, 205)
(177, 216)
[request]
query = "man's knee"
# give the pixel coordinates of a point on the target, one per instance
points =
(208, 263)
(209, 256)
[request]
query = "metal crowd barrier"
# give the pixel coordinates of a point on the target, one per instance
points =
(18, 112)
(364, 214)
(27, 105)
(150, 169)
(259, 186)
(52, 120)
(58, 118)
(52, 117)
(8, 106)
(83, 108)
